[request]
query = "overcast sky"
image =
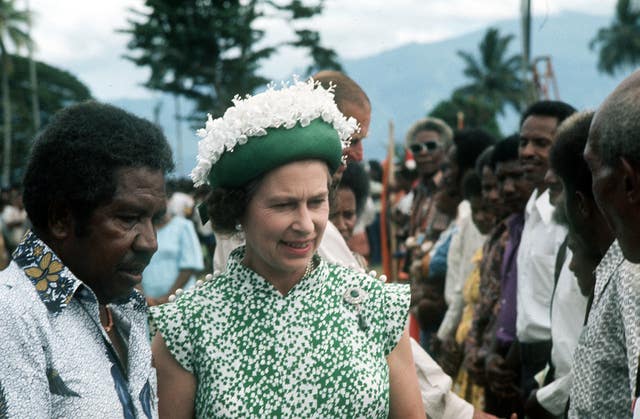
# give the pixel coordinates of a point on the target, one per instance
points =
(80, 36)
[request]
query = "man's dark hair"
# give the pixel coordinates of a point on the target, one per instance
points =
(471, 185)
(484, 159)
(554, 108)
(75, 159)
(356, 179)
(470, 143)
(566, 158)
(375, 170)
(505, 150)
(179, 184)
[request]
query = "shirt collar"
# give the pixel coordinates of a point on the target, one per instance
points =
(542, 205)
(610, 261)
(53, 281)
(252, 282)
(606, 268)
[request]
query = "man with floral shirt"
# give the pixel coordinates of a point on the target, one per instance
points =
(73, 335)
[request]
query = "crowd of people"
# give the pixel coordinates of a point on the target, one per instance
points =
(513, 287)
(520, 252)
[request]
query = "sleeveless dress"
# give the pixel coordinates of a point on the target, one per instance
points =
(319, 351)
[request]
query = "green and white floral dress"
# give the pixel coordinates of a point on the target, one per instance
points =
(319, 351)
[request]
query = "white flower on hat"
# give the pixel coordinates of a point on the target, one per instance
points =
(300, 102)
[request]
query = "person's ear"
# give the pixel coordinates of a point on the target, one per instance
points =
(583, 206)
(631, 180)
(60, 220)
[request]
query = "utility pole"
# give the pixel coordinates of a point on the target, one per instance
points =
(525, 12)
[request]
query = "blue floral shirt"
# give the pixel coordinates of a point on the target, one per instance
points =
(57, 361)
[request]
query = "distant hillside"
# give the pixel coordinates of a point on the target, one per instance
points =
(406, 82)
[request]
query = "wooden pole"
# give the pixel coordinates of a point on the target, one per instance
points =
(391, 181)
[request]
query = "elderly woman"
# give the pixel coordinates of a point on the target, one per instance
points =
(281, 333)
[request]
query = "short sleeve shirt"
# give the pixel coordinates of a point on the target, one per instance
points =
(178, 249)
(56, 360)
(605, 360)
(310, 353)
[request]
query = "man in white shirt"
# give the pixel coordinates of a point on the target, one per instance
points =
(541, 239)
(569, 304)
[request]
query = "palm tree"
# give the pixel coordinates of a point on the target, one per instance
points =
(619, 44)
(12, 32)
(495, 78)
(33, 75)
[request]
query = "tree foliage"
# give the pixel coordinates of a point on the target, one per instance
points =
(13, 24)
(619, 44)
(495, 78)
(476, 114)
(210, 50)
(56, 90)
(13, 32)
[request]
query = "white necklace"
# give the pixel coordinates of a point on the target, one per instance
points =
(309, 269)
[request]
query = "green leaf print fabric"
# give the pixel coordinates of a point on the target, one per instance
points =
(257, 353)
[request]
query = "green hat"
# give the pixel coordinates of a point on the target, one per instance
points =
(280, 146)
(262, 132)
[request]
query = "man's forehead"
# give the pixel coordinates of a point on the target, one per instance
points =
(539, 122)
(129, 179)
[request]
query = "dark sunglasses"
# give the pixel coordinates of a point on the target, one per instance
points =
(417, 148)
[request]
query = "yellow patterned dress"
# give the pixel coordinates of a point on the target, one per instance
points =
(462, 385)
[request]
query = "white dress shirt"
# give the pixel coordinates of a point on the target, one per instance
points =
(225, 244)
(568, 310)
(464, 243)
(541, 239)
(332, 248)
(435, 388)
